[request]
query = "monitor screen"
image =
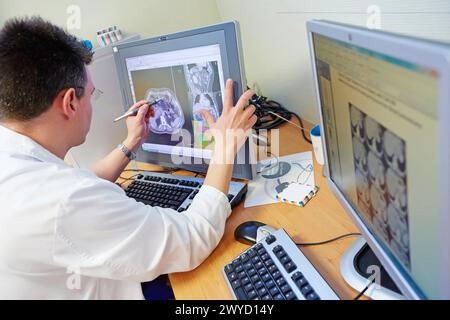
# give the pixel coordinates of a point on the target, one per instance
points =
(185, 82)
(380, 122)
(185, 72)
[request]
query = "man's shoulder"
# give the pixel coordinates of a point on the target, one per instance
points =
(73, 180)
(86, 179)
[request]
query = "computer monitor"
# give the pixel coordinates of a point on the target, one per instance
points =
(186, 72)
(384, 105)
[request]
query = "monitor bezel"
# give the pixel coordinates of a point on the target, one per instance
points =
(231, 29)
(433, 55)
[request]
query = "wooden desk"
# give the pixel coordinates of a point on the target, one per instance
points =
(323, 218)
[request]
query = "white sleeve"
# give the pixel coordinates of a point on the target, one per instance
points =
(105, 234)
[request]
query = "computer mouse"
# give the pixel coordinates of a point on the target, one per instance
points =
(252, 232)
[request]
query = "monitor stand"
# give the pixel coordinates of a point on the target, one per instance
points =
(354, 269)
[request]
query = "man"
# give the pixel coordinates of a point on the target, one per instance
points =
(57, 222)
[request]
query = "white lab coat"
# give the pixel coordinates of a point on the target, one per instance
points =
(66, 234)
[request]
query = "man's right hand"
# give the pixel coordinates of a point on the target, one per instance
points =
(233, 128)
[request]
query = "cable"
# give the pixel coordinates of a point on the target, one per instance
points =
(127, 179)
(303, 126)
(329, 241)
(364, 291)
(333, 240)
(168, 171)
(272, 114)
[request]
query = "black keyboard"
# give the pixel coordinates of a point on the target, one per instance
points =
(275, 269)
(174, 192)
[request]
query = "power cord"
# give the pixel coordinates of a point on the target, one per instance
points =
(329, 241)
(333, 240)
(272, 114)
(365, 290)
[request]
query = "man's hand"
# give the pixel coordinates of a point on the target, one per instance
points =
(110, 167)
(230, 132)
(138, 126)
(232, 129)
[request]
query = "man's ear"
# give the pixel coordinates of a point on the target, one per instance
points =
(69, 103)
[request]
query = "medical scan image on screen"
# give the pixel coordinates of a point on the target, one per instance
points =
(380, 171)
(183, 83)
(380, 122)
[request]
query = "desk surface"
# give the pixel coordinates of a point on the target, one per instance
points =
(323, 218)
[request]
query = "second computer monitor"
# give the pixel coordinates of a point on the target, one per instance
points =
(186, 72)
(384, 105)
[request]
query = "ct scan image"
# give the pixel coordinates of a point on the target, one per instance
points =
(203, 94)
(169, 117)
(381, 180)
(183, 91)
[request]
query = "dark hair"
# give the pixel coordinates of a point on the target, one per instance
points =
(37, 61)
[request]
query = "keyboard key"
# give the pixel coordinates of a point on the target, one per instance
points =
(269, 263)
(252, 253)
(262, 272)
(270, 284)
(248, 287)
(232, 276)
(236, 262)
(265, 256)
(312, 296)
(244, 257)
(248, 266)
(245, 281)
(255, 279)
(285, 259)
(280, 254)
(239, 268)
(241, 274)
(281, 281)
(252, 294)
(290, 296)
(301, 282)
(259, 246)
(240, 294)
(235, 284)
(285, 289)
(278, 297)
(229, 268)
(266, 297)
(256, 259)
(297, 276)
(251, 272)
(262, 252)
(276, 274)
(277, 249)
(270, 239)
(290, 267)
(266, 277)
(259, 265)
(307, 289)
(262, 292)
(274, 291)
(272, 269)
(259, 285)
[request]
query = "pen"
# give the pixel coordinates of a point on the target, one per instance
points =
(135, 112)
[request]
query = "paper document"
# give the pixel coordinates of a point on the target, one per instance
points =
(277, 176)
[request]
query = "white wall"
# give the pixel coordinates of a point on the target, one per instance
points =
(275, 44)
(274, 35)
(147, 17)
